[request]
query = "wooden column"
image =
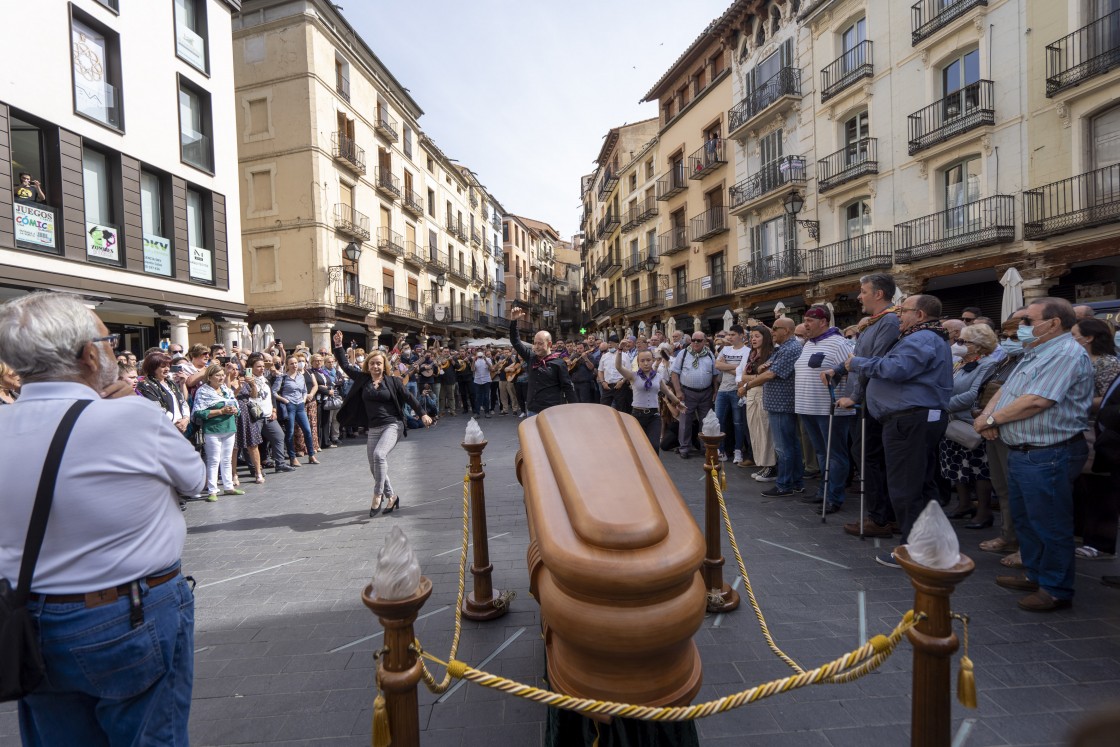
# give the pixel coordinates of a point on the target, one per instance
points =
(721, 597)
(399, 667)
(482, 602)
(934, 644)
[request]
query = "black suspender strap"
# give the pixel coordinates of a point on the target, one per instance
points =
(43, 499)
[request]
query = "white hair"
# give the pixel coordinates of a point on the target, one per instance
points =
(42, 334)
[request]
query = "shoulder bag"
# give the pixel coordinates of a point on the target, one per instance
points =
(21, 659)
(963, 433)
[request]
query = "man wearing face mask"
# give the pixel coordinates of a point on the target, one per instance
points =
(610, 380)
(114, 615)
(1041, 414)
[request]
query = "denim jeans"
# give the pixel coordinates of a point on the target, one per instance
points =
(109, 683)
(816, 426)
(481, 397)
(297, 415)
(730, 401)
(787, 447)
(1040, 487)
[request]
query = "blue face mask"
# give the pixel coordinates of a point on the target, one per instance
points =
(1011, 346)
(1025, 333)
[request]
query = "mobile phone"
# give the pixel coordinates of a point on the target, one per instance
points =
(223, 359)
(177, 368)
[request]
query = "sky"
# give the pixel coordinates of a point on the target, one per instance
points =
(523, 92)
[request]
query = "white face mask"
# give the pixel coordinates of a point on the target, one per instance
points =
(959, 350)
(361, 359)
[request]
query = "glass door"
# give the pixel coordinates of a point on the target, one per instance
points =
(960, 82)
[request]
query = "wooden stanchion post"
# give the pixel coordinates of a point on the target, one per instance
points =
(934, 644)
(484, 602)
(398, 667)
(721, 597)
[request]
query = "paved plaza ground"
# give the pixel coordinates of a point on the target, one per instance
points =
(283, 643)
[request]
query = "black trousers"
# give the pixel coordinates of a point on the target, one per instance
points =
(466, 395)
(585, 391)
(876, 492)
(608, 395)
(651, 424)
(273, 435)
(910, 450)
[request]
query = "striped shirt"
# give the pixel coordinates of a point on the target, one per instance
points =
(1058, 370)
(812, 395)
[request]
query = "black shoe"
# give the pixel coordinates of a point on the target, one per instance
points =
(269, 464)
(831, 508)
(375, 508)
(776, 492)
(685, 454)
(887, 558)
(394, 502)
(811, 499)
(284, 468)
(967, 513)
(812, 474)
(985, 524)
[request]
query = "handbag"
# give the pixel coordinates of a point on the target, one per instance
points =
(21, 660)
(962, 432)
(332, 403)
(256, 414)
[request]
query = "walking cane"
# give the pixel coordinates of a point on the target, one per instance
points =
(828, 449)
(862, 462)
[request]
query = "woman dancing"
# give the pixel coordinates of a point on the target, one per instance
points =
(376, 402)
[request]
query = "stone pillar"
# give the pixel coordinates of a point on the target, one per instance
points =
(321, 336)
(180, 329)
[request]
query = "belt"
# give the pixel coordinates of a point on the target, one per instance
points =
(105, 596)
(644, 409)
(694, 389)
(1033, 447)
(899, 413)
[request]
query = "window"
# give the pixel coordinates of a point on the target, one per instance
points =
(111, 5)
(680, 281)
(851, 38)
(962, 186)
(102, 235)
(406, 145)
(387, 286)
(432, 202)
(856, 133)
(958, 81)
(158, 258)
(858, 218)
(717, 273)
(342, 77)
(770, 240)
(190, 32)
(37, 224)
(95, 56)
(433, 246)
(194, 127)
(431, 165)
(201, 264)
(649, 169)
(1105, 139)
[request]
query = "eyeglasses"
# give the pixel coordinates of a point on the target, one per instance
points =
(907, 308)
(111, 339)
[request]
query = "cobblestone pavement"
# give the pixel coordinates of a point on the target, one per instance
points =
(284, 644)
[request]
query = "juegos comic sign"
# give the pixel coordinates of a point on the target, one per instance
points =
(34, 225)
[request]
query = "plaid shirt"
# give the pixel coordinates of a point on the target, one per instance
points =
(778, 393)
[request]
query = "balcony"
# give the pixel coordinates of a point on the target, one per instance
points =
(768, 269)
(846, 70)
(486, 245)
(673, 241)
(1090, 51)
(348, 292)
(783, 88)
(641, 301)
(350, 222)
(500, 288)
(410, 309)
(927, 16)
(610, 179)
(709, 223)
(647, 209)
(342, 87)
(412, 203)
(458, 272)
(608, 223)
(436, 261)
(497, 222)
(871, 251)
(850, 162)
(413, 255)
(787, 170)
(390, 242)
(474, 200)
(707, 159)
(611, 265)
(673, 183)
(347, 153)
(975, 224)
(677, 295)
(476, 237)
(386, 126)
(708, 287)
(1087, 200)
(386, 183)
(962, 110)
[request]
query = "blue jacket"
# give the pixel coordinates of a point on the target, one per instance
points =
(916, 372)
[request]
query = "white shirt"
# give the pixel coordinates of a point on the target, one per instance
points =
(608, 368)
(481, 371)
(646, 398)
(115, 516)
(735, 356)
(264, 396)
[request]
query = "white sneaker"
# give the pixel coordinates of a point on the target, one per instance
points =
(766, 474)
(521, 415)
(722, 457)
(738, 457)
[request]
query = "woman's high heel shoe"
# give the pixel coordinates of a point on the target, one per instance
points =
(985, 524)
(394, 502)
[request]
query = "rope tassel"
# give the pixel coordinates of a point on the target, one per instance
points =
(966, 678)
(381, 735)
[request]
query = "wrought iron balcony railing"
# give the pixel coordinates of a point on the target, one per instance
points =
(1083, 201)
(390, 242)
(709, 223)
(349, 292)
(673, 241)
(349, 221)
(643, 300)
(643, 261)
(476, 237)
(608, 223)
(850, 162)
(710, 286)
(677, 295)
(962, 110)
(765, 269)
(386, 126)
(871, 251)
(435, 259)
(974, 224)
(673, 183)
(845, 70)
(413, 254)
(474, 200)
(342, 87)
(386, 183)
(412, 203)
(611, 264)
(786, 83)
(927, 16)
(459, 272)
(772, 176)
(647, 209)
(709, 157)
(607, 183)
(500, 288)
(1090, 51)
(460, 231)
(346, 152)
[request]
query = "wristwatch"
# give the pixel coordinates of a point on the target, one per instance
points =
(991, 421)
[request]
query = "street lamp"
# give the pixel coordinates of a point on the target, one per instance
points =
(352, 252)
(441, 280)
(793, 204)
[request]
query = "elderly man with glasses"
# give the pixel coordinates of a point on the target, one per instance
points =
(1042, 413)
(694, 377)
